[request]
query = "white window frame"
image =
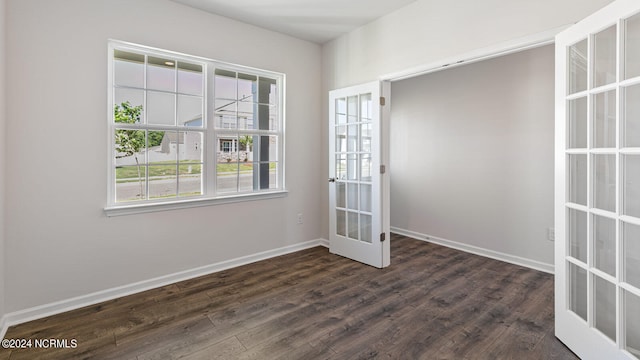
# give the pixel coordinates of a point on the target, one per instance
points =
(209, 194)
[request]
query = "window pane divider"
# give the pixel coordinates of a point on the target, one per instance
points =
(630, 288)
(630, 151)
(577, 151)
(630, 219)
(577, 262)
(575, 206)
(577, 95)
(603, 151)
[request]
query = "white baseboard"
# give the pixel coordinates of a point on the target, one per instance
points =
(512, 259)
(38, 312)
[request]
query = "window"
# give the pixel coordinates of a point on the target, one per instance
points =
(185, 129)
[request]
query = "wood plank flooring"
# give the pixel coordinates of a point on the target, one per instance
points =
(431, 303)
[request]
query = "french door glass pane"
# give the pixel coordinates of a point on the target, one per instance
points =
(631, 116)
(365, 197)
(632, 47)
(631, 251)
(605, 307)
(632, 323)
(605, 56)
(578, 179)
(352, 169)
(604, 244)
(341, 139)
(352, 138)
(365, 167)
(352, 196)
(365, 228)
(341, 194)
(577, 227)
(352, 225)
(352, 109)
(578, 290)
(577, 123)
(604, 120)
(341, 222)
(341, 109)
(604, 179)
(365, 137)
(341, 167)
(365, 107)
(631, 185)
(578, 67)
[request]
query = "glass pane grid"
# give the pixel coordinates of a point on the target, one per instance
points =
(604, 288)
(168, 95)
(353, 170)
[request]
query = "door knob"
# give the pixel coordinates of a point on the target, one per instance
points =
(332, 179)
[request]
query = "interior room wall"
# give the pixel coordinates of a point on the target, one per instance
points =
(428, 31)
(472, 154)
(2, 155)
(59, 243)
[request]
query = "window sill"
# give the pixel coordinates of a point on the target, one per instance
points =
(120, 210)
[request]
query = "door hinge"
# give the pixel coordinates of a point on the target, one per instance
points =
(383, 169)
(383, 101)
(383, 237)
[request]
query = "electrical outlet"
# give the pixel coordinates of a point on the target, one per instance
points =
(300, 218)
(551, 234)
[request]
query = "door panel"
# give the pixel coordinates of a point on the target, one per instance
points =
(357, 188)
(597, 205)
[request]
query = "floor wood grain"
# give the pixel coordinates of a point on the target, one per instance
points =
(431, 303)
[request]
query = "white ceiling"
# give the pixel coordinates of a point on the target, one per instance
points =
(314, 20)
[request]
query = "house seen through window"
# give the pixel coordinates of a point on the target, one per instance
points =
(184, 128)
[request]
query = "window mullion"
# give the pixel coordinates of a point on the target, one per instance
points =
(210, 134)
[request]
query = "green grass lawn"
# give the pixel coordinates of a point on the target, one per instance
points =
(169, 169)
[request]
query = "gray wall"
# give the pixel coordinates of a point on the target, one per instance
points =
(472, 154)
(428, 31)
(59, 243)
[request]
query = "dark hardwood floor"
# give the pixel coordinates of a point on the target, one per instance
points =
(431, 303)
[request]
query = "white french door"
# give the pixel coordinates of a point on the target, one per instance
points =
(597, 201)
(358, 187)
